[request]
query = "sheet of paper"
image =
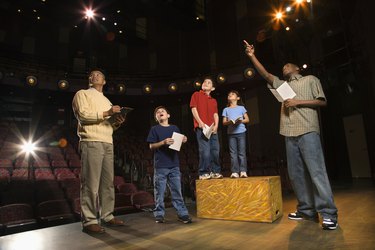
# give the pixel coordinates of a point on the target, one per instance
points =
(277, 95)
(207, 130)
(237, 119)
(177, 137)
(285, 91)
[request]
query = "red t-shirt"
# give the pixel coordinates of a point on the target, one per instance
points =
(206, 107)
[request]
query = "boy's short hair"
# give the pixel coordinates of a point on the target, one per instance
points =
(211, 79)
(160, 107)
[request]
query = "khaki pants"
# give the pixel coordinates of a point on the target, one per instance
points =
(97, 190)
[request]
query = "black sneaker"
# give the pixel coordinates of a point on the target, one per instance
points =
(295, 216)
(300, 216)
(329, 224)
(159, 219)
(185, 219)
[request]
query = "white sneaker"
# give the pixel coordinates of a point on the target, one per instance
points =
(204, 177)
(243, 175)
(234, 175)
(216, 176)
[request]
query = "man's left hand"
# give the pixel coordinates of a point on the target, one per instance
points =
(291, 103)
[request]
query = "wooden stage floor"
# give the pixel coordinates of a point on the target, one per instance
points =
(356, 231)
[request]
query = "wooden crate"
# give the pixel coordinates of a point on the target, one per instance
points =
(256, 199)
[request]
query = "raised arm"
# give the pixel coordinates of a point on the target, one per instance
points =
(250, 52)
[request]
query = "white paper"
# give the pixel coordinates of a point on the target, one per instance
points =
(177, 141)
(207, 130)
(277, 95)
(237, 119)
(283, 92)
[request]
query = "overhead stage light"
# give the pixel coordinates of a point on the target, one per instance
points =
(147, 89)
(89, 13)
(221, 78)
(63, 84)
(197, 84)
(120, 88)
(31, 81)
(279, 15)
(172, 87)
(249, 73)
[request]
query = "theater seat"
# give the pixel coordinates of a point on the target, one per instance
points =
(16, 218)
(143, 200)
(55, 212)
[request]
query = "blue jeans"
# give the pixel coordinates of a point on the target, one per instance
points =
(308, 175)
(237, 150)
(209, 151)
(172, 176)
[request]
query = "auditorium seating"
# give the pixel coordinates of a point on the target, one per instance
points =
(16, 218)
(143, 200)
(54, 212)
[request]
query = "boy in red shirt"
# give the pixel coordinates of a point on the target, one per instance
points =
(206, 121)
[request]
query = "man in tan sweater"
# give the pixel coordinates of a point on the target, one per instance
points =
(93, 110)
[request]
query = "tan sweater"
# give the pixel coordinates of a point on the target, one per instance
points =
(88, 108)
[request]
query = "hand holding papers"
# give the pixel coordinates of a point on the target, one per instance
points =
(283, 92)
(234, 121)
(123, 111)
(177, 141)
(207, 130)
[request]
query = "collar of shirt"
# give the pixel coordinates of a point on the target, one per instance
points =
(295, 77)
(209, 96)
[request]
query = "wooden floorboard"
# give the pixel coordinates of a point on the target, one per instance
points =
(356, 231)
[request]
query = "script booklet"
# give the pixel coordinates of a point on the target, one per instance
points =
(207, 130)
(234, 121)
(123, 111)
(284, 92)
(177, 138)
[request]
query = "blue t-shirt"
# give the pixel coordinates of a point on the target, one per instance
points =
(233, 114)
(164, 157)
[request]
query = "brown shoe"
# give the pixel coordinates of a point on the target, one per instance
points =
(93, 229)
(114, 223)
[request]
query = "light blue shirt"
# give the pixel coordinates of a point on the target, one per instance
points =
(233, 114)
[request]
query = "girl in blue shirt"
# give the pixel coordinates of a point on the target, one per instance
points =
(235, 117)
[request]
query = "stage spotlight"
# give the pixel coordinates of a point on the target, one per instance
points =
(279, 15)
(197, 84)
(304, 66)
(120, 88)
(147, 89)
(172, 87)
(299, 1)
(31, 81)
(28, 147)
(63, 84)
(249, 73)
(221, 78)
(287, 28)
(89, 13)
(288, 9)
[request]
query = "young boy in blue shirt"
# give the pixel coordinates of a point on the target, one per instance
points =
(166, 166)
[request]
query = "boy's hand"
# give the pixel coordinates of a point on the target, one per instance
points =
(201, 125)
(168, 141)
(214, 129)
(184, 140)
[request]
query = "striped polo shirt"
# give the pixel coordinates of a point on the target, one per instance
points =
(295, 121)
